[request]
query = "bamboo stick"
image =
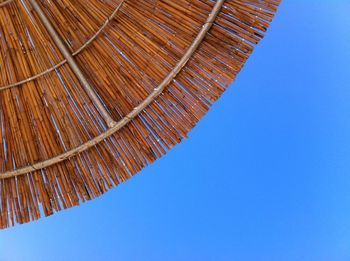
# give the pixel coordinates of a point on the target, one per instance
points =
(75, 67)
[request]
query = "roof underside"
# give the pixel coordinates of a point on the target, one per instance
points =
(149, 70)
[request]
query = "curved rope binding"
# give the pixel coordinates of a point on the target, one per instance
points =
(135, 112)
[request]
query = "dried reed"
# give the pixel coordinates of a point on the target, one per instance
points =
(156, 67)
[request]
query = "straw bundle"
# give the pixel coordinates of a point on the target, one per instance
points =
(122, 82)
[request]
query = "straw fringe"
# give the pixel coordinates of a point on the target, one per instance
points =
(146, 58)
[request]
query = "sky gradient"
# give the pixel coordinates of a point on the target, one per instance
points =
(264, 176)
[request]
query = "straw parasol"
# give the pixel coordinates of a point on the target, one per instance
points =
(92, 91)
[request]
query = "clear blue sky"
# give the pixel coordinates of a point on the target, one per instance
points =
(264, 176)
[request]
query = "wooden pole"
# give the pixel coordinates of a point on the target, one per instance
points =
(74, 66)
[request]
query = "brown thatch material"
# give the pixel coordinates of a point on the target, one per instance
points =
(144, 73)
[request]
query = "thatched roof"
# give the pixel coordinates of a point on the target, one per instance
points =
(93, 91)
